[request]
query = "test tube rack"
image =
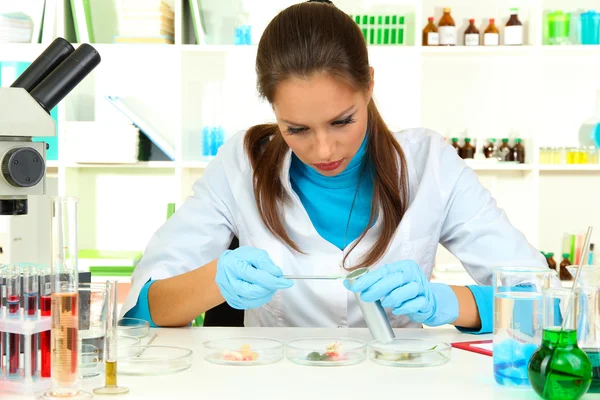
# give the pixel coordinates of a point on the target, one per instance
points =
(24, 382)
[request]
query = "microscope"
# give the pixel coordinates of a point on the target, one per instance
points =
(25, 113)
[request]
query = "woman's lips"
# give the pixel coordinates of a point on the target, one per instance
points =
(329, 166)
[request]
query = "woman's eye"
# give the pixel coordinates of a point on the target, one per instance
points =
(344, 122)
(293, 131)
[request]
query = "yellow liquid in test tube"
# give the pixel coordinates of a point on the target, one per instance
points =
(64, 339)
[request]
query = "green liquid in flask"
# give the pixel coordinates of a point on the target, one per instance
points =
(559, 369)
(594, 356)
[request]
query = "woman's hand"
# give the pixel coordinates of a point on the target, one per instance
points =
(404, 287)
(247, 278)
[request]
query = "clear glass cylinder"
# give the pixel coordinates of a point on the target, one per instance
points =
(64, 307)
(517, 320)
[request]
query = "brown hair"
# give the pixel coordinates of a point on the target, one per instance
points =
(302, 40)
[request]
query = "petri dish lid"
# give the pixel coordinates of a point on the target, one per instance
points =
(133, 327)
(154, 360)
(409, 353)
(326, 351)
(243, 351)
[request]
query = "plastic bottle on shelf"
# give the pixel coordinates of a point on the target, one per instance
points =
(491, 36)
(505, 151)
(431, 37)
(401, 29)
(447, 29)
(490, 148)
(590, 32)
(467, 151)
(518, 151)
(472, 34)
(513, 31)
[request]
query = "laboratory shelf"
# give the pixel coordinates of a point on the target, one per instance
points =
(570, 168)
(138, 165)
(485, 166)
(482, 50)
(195, 164)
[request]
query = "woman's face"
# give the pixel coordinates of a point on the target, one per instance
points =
(322, 120)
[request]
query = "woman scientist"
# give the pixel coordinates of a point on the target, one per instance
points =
(325, 190)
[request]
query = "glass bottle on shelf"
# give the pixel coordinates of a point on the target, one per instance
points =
(467, 151)
(431, 37)
(551, 262)
(447, 29)
(544, 155)
(490, 148)
(513, 31)
(491, 36)
(505, 151)
(518, 152)
(472, 34)
(563, 273)
(456, 145)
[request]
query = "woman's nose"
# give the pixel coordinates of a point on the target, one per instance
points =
(324, 146)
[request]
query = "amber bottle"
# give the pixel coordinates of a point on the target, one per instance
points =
(431, 37)
(467, 151)
(513, 31)
(472, 34)
(491, 36)
(447, 29)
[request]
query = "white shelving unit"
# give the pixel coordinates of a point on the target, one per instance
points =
(542, 92)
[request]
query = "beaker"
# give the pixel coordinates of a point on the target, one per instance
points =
(92, 328)
(559, 369)
(588, 319)
(517, 320)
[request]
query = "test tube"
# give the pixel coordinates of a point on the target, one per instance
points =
(110, 381)
(13, 299)
(64, 304)
(45, 306)
(373, 312)
(31, 289)
(2, 301)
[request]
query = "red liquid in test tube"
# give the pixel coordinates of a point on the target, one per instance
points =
(46, 302)
(13, 296)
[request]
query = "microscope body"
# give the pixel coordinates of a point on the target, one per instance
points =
(22, 161)
(25, 114)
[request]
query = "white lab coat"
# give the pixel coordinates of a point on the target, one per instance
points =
(448, 205)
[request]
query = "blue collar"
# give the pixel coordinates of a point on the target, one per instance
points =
(349, 177)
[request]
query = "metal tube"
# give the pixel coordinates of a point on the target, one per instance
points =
(373, 312)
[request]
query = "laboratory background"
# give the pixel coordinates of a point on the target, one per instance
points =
(514, 85)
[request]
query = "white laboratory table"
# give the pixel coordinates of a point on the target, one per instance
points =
(466, 376)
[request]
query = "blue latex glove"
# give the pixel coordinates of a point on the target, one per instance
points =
(247, 277)
(405, 288)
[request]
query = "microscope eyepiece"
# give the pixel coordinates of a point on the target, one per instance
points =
(42, 66)
(66, 76)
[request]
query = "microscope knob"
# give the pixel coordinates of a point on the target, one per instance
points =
(23, 167)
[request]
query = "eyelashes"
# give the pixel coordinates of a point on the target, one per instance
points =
(339, 124)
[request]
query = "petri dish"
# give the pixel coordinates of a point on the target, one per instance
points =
(243, 351)
(138, 328)
(326, 351)
(128, 346)
(409, 353)
(155, 360)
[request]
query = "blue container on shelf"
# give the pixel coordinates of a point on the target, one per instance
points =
(213, 137)
(590, 27)
(206, 141)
